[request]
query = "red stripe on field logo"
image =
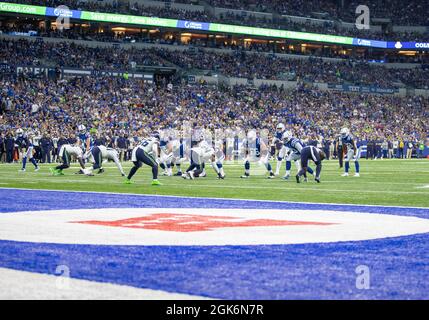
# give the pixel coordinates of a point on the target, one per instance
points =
(194, 223)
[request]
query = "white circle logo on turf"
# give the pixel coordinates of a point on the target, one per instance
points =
(182, 226)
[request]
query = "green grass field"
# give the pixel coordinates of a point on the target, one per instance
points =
(383, 182)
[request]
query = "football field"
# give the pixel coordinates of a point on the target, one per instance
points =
(94, 237)
(382, 182)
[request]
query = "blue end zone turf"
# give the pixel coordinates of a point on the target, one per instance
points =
(399, 266)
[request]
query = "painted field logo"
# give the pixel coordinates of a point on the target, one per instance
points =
(202, 226)
(192, 223)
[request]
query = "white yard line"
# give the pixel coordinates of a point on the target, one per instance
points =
(222, 186)
(20, 285)
(219, 198)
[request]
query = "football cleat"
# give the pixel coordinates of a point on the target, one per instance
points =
(317, 179)
(56, 172)
(100, 171)
(37, 169)
(21, 170)
(128, 181)
(297, 179)
(305, 179)
(345, 174)
(123, 174)
(286, 177)
(179, 173)
(357, 174)
(245, 176)
(219, 176)
(156, 183)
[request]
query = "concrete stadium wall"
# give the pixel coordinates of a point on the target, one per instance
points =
(217, 11)
(373, 28)
(173, 5)
(410, 29)
(159, 4)
(421, 92)
(278, 83)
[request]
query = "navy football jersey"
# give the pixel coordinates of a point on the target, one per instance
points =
(22, 142)
(348, 141)
(83, 138)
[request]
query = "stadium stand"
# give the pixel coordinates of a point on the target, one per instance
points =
(331, 25)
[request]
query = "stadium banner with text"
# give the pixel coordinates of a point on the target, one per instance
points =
(274, 33)
(73, 72)
(205, 26)
(128, 19)
(22, 8)
(408, 45)
(362, 89)
(369, 43)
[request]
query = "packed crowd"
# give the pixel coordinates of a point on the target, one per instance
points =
(261, 66)
(233, 64)
(248, 19)
(69, 54)
(132, 108)
(400, 12)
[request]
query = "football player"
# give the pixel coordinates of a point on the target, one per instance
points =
(178, 155)
(254, 149)
(294, 147)
(146, 152)
(316, 155)
(66, 151)
(85, 141)
(351, 152)
(25, 143)
(202, 153)
(100, 153)
(280, 147)
(166, 154)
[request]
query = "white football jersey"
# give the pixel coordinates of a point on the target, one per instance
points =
(147, 144)
(72, 150)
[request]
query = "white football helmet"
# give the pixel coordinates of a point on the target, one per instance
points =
(344, 132)
(280, 127)
(19, 132)
(81, 128)
(251, 135)
(287, 135)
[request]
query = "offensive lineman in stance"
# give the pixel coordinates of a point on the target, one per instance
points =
(100, 153)
(146, 152)
(66, 151)
(310, 153)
